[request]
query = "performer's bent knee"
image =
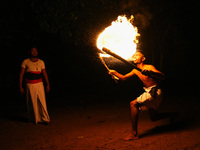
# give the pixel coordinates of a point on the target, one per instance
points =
(134, 103)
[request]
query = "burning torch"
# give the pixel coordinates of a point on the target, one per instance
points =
(121, 38)
(107, 51)
(120, 41)
(150, 74)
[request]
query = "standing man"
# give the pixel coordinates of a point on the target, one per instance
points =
(152, 96)
(33, 69)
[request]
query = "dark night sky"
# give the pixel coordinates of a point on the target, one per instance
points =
(65, 34)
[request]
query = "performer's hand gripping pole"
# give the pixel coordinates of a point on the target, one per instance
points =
(108, 70)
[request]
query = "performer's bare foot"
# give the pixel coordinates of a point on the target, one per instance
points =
(131, 137)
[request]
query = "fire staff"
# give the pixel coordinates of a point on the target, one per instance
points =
(33, 69)
(152, 96)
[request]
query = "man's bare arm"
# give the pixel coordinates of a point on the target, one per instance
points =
(21, 75)
(122, 77)
(153, 72)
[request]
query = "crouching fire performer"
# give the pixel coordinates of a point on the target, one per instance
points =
(33, 69)
(152, 96)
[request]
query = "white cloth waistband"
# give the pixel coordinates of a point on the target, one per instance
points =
(148, 89)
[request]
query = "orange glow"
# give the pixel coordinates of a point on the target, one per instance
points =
(120, 37)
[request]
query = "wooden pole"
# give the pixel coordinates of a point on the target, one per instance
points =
(120, 58)
(108, 70)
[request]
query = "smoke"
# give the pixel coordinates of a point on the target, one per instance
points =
(142, 21)
(140, 11)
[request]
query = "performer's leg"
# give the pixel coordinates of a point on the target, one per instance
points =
(32, 99)
(31, 116)
(42, 104)
(134, 116)
(134, 120)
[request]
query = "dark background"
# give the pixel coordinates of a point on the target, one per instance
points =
(65, 34)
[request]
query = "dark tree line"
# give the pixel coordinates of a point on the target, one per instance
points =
(61, 27)
(78, 22)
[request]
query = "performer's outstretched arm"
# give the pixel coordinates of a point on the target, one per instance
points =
(120, 76)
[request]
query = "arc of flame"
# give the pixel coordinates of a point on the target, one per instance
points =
(120, 37)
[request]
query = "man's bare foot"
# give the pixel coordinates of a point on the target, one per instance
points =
(131, 137)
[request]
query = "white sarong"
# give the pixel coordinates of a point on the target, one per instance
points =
(146, 99)
(36, 103)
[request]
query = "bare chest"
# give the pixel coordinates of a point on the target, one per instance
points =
(147, 81)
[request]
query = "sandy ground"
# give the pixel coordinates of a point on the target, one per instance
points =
(89, 125)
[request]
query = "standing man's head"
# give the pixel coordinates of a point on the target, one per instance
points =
(33, 52)
(138, 57)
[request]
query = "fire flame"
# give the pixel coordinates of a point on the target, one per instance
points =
(120, 37)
